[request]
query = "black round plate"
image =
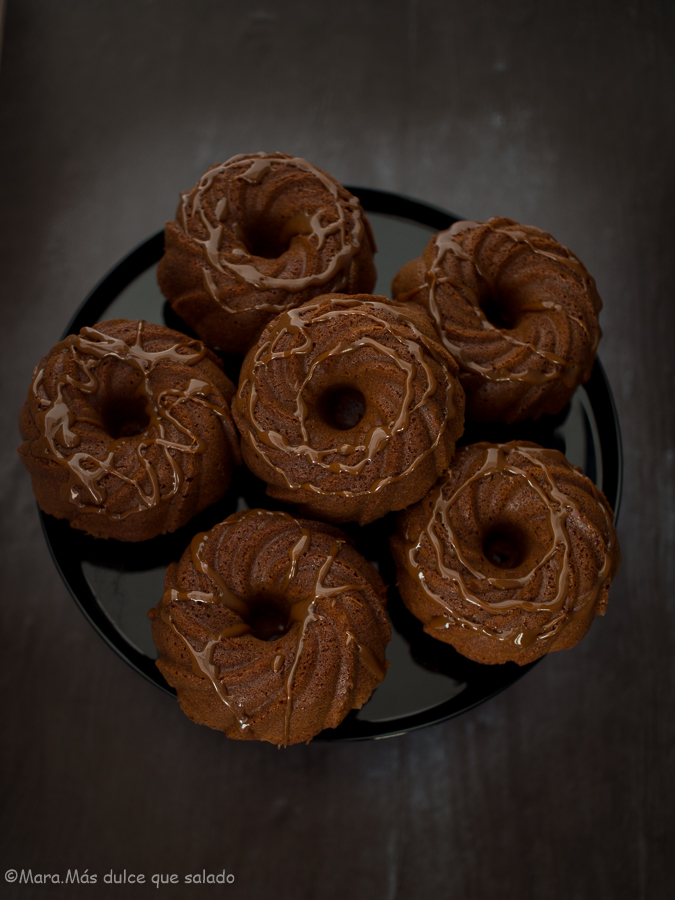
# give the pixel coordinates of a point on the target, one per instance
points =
(115, 584)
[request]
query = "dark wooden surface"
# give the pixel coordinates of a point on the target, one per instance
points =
(559, 115)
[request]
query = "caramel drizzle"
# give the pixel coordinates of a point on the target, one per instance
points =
(558, 505)
(303, 612)
(55, 420)
(203, 666)
(375, 439)
(259, 165)
(368, 659)
(202, 660)
(445, 243)
(278, 661)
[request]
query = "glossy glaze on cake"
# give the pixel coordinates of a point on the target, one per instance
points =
(127, 430)
(510, 557)
(349, 407)
(271, 628)
(516, 309)
(259, 234)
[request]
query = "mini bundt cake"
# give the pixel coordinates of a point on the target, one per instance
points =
(510, 557)
(271, 628)
(259, 234)
(349, 407)
(127, 430)
(517, 310)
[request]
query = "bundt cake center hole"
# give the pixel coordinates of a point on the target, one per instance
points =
(497, 312)
(342, 407)
(268, 620)
(504, 547)
(270, 239)
(125, 417)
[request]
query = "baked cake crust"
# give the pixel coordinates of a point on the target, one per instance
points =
(271, 628)
(259, 234)
(510, 557)
(516, 309)
(349, 407)
(127, 430)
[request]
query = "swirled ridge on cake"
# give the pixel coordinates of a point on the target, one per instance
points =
(127, 430)
(349, 406)
(516, 309)
(259, 234)
(510, 556)
(271, 628)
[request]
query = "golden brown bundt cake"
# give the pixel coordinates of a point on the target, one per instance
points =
(127, 430)
(517, 310)
(510, 556)
(271, 628)
(349, 407)
(259, 234)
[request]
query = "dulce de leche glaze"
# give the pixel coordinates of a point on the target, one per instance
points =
(516, 309)
(349, 406)
(258, 234)
(127, 430)
(510, 556)
(271, 628)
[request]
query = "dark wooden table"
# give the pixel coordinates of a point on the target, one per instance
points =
(558, 115)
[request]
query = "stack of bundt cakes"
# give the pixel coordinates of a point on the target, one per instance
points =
(349, 407)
